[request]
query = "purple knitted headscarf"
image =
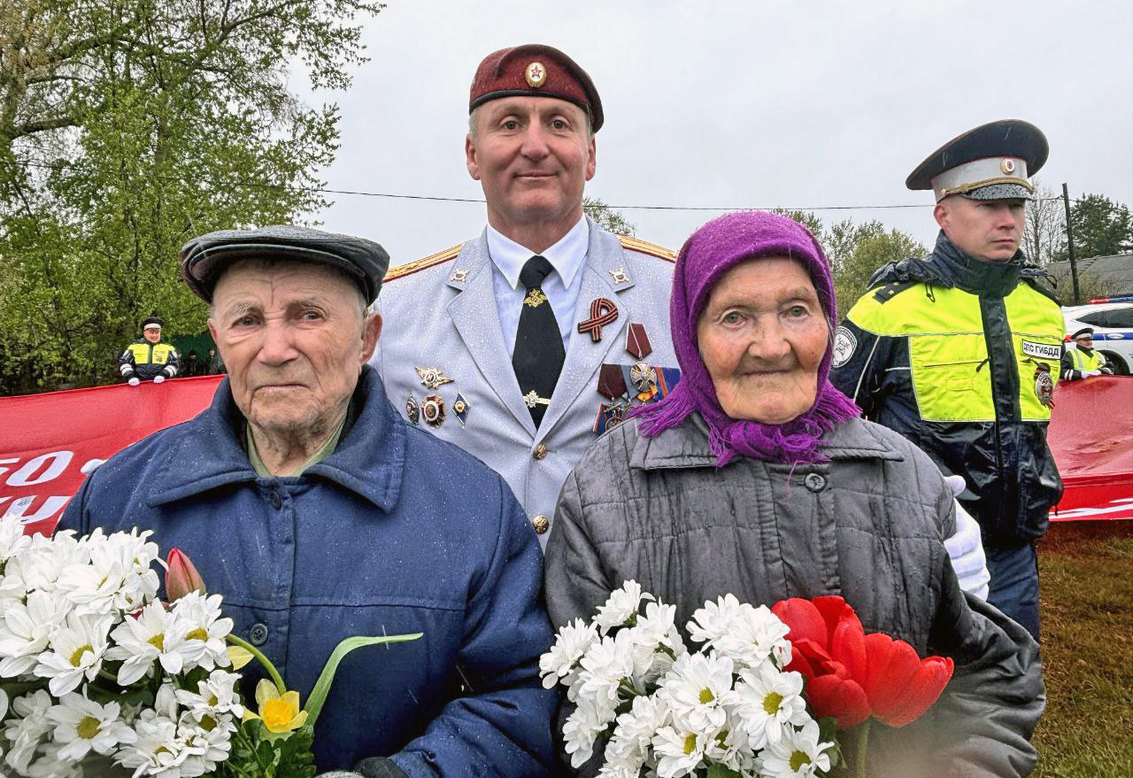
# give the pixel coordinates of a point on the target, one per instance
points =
(707, 255)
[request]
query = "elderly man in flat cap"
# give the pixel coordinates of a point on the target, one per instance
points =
(319, 513)
(148, 359)
(523, 344)
(959, 351)
(1082, 361)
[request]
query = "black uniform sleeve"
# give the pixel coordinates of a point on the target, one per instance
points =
(172, 365)
(860, 360)
(126, 364)
(1067, 367)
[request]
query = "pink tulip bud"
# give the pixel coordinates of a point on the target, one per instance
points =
(181, 577)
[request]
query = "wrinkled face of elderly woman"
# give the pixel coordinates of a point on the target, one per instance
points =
(762, 337)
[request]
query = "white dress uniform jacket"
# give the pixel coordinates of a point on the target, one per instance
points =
(440, 312)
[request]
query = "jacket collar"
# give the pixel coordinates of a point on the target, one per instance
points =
(976, 276)
(686, 446)
(207, 454)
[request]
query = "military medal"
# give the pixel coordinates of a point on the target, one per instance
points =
(610, 416)
(460, 409)
(602, 312)
(643, 377)
(611, 381)
(432, 377)
(412, 409)
(433, 410)
(637, 342)
(1044, 384)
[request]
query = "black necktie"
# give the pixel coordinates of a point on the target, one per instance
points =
(539, 354)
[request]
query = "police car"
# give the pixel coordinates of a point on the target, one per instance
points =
(1112, 320)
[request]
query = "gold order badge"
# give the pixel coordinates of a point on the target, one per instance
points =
(535, 74)
(1007, 166)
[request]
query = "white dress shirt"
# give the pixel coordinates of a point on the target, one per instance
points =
(561, 287)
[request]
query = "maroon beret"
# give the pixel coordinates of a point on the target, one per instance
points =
(535, 70)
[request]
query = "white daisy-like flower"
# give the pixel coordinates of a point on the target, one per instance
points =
(621, 607)
(628, 750)
(196, 620)
(25, 631)
(156, 749)
(605, 667)
(560, 663)
(3, 707)
(755, 636)
(83, 725)
(714, 620)
(141, 641)
(76, 653)
(656, 642)
(51, 765)
(582, 728)
(679, 751)
(695, 689)
(798, 754)
(26, 730)
(215, 695)
(769, 703)
(208, 742)
(13, 541)
(40, 565)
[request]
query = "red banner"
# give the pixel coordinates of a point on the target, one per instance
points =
(1091, 436)
(48, 441)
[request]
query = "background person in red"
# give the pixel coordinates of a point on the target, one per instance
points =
(148, 359)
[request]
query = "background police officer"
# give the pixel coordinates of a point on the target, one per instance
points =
(1082, 361)
(959, 351)
(148, 359)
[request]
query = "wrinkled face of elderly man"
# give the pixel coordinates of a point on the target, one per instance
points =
(294, 337)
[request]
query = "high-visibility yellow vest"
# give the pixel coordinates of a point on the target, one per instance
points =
(151, 353)
(1083, 361)
(948, 354)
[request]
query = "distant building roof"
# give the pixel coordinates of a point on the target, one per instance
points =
(1115, 272)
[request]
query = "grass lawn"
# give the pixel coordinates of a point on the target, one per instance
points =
(1086, 589)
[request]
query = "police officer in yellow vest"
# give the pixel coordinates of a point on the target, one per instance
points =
(148, 359)
(960, 350)
(1082, 361)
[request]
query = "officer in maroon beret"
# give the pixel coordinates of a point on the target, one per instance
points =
(522, 344)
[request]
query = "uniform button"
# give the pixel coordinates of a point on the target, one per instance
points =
(541, 524)
(540, 451)
(276, 500)
(258, 634)
(816, 482)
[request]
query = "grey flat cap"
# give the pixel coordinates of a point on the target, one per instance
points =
(203, 259)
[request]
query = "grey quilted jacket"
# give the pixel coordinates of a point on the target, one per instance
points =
(866, 525)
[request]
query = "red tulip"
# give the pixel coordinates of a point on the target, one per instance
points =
(900, 685)
(181, 577)
(828, 648)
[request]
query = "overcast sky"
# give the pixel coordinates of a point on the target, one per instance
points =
(761, 103)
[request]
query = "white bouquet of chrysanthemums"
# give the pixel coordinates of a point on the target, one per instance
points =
(96, 672)
(727, 710)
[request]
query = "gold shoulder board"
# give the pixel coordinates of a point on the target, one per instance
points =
(420, 264)
(644, 247)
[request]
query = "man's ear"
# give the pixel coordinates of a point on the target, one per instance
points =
(470, 157)
(941, 213)
(371, 331)
(592, 159)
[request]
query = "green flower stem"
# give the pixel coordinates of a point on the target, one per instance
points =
(860, 744)
(276, 678)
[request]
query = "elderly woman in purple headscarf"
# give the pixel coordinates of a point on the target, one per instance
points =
(756, 477)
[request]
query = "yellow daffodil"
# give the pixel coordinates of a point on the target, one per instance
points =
(279, 713)
(239, 657)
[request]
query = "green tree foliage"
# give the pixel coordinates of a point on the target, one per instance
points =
(1101, 227)
(608, 218)
(126, 128)
(856, 251)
